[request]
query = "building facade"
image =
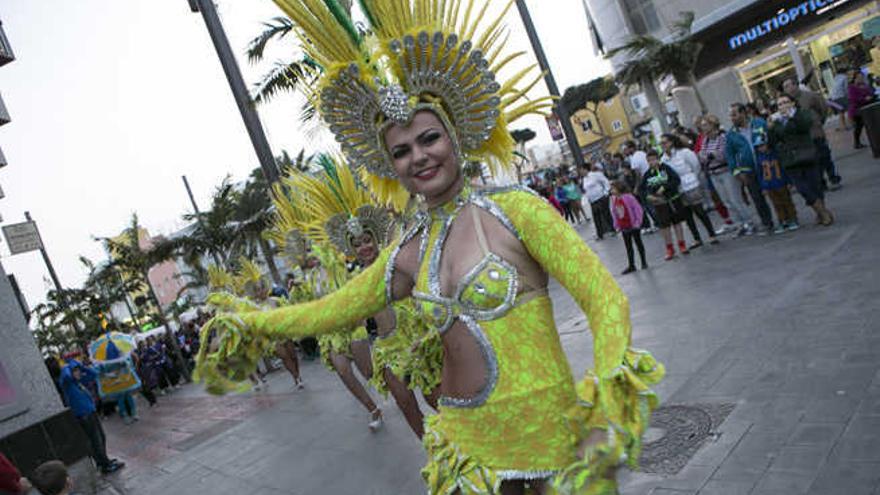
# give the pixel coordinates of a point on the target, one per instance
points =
(750, 46)
(604, 129)
(34, 424)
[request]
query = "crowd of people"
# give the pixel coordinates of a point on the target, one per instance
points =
(449, 297)
(745, 173)
(49, 478)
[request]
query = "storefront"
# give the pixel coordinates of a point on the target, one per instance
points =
(770, 41)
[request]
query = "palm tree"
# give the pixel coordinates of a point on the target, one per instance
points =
(301, 162)
(283, 76)
(105, 281)
(213, 232)
(70, 318)
(678, 58)
(253, 215)
(641, 72)
(131, 258)
(651, 59)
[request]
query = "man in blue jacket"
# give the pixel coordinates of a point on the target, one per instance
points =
(741, 158)
(73, 379)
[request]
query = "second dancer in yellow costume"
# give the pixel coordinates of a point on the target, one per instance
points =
(410, 104)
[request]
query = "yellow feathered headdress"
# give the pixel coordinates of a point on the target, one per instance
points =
(247, 278)
(338, 208)
(289, 221)
(437, 55)
(219, 279)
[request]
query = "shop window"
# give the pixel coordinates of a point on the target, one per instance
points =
(587, 125)
(639, 102)
(643, 15)
(617, 126)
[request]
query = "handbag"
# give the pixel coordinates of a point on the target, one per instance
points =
(798, 154)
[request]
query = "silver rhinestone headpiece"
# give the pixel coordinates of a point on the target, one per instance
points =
(342, 228)
(354, 227)
(395, 104)
(455, 75)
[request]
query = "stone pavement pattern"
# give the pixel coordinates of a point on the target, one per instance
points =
(784, 327)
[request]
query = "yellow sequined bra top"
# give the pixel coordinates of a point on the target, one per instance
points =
(488, 291)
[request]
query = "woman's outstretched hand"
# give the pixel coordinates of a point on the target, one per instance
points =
(229, 354)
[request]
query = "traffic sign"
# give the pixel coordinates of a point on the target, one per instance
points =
(22, 237)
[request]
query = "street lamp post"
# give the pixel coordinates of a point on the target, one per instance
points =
(62, 296)
(570, 136)
(239, 90)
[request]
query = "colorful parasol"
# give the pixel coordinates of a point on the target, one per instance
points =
(111, 346)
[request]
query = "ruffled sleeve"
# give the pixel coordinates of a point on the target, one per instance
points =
(244, 336)
(616, 395)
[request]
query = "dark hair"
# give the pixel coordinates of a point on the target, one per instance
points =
(617, 155)
(788, 97)
(652, 152)
(738, 106)
(856, 73)
(621, 186)
(629, 144)
(50, 478)
(672, 138)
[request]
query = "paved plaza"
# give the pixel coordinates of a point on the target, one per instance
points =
(782, 329)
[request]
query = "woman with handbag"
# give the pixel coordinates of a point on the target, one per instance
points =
(790, 136)
(687, 165)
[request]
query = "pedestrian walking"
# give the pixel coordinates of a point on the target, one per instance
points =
(146, 370)
(638, 162)
(74, 376)
(687, 165)
(840, 95)
(562, 198)
(791, 136)
(627, 213)
(660, 185)
(629, 177)
(573, 194)
(860, 93)
(815, 104)
(775, 184)
(742, 161)
(597, 188)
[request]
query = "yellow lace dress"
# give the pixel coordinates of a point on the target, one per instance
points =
(530, 417)
(412, 351)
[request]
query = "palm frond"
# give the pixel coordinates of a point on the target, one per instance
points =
(277, 27)
(283, 77)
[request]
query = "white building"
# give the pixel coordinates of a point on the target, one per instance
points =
(750, 46)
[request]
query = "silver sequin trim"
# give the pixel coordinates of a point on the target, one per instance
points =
(491, 369)
(437, 252)
(496, 211)
(389, 267)
(509, 298)
(510, 474)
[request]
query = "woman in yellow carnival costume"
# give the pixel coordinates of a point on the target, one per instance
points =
(240, 292)
(410, 105)
(323, 270)
(341, 213)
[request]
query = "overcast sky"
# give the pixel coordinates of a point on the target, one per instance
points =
(113, 100)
